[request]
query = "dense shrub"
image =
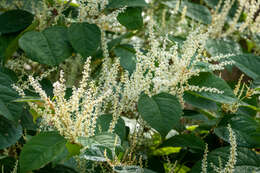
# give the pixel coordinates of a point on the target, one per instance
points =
(129, 86)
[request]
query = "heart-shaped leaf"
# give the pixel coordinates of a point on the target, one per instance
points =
(162, 112)
(85, 38)
(9, 132)
(40, 150)
(14, 21)
(50, 47)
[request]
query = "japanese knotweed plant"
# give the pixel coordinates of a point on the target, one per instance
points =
(116, 85)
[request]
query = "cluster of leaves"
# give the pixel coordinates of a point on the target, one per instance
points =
(180, 134)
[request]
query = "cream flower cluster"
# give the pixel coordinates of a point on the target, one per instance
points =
(77, 115)
(163, 68)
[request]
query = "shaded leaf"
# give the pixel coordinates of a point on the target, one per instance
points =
(185, 140)
(196, 12)
(103, 123)
(222, 46)
(50, 47)
(85, 38)
(126, 3)
(14, 21)
(246, 129)
(9, 109)
(41, 150)
(131, 18)
(210, 80)
(246, 160)
(248, 63)
(162, 112)
(10, 133)
(126, 53)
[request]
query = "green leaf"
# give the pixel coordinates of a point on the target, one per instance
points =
(85, 38)
(103, 123)
(103, 139)
(222, 46)
(246, 160)
(5, 40)
(73, 149)
(27, 121)
(10, 110)
(97, 145)
(14, 21)
(164, 151)
(126, 3)
(13, 45)
(246, 129)
(40, 150)
(200, 102)
(131, 18)
(185, 140)
(196, 12)
(10, 133)
(126, 53)
(210, 80)
(131, 169)
(57, 169)
(249, 64)
(211, 3)
(50, 47)
(162, 112)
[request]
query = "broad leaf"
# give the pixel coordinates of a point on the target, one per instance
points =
(50, 47)
(56, 168)
(246, 129)
(103, 123)
(14, 21)
(249, 64)
(126, 53)
(131, 169)
(246, 160)
(99, 144)
(126, 3)
(5, 40)
(131, 18)
(185, 140)
(103, 139)
(200, 102)
(40, 150)
(222, 46)
(162, 112)
(212, 81)
(196, 12)
(85, 38)
(9, 109)
(10, 133)
(13, 45)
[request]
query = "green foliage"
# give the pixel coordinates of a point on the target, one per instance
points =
(40, 150)
(85, 38)
(14, 21)
(123, 3)
(49, 47)
(126, 53)
(130, 47)
(9, 133)
(131, 18)
(196, 12)
(247, 160)
(212, 81)
(103, 123)
(162, 112)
